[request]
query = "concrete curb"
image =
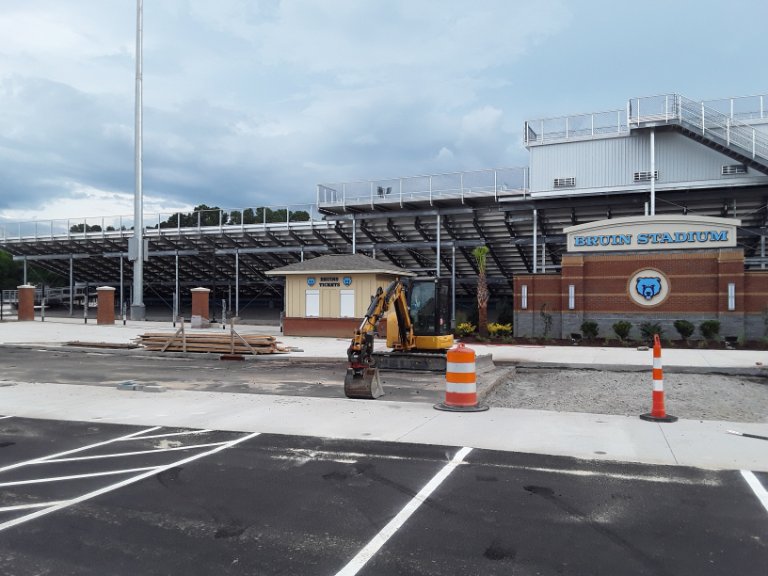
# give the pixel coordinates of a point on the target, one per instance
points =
(760, 371)
(490, 380)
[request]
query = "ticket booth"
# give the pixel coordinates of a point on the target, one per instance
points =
(329, 295)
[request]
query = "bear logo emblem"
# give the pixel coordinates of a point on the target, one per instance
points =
(648, 287)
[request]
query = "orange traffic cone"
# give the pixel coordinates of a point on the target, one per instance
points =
(460, 381)
(658, 413)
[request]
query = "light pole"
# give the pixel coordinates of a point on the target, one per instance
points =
(138, 311)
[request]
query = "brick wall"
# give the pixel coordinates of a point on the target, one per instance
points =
(698, 290)
(330, 327)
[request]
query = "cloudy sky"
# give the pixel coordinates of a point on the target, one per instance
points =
(254, 102)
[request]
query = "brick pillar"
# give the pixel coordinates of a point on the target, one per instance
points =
(105, 313)
(200, 313)
(26, 303)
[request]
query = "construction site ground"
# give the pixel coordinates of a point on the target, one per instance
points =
(262, 466)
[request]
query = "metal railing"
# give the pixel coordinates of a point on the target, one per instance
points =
(52, 295)
(663, 107)
(595, 124)
(160, 223)
(499, 181)
(741, 107)
(701, 119)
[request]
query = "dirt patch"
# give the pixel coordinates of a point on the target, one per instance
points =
(690, 396)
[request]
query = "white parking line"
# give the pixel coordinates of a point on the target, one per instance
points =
(362, 557)
(76, 450)
(304, 455)
(121, 484)
(75, 476)
(28, 506)
(757, 487)
(5, 417)
(136, 453)
(187, 433)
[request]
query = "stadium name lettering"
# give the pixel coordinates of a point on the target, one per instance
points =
(651, 238)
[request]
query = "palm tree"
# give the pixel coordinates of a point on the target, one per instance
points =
(480, 253)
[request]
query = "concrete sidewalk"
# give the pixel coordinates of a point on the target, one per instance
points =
(588, 436)
(591, 436)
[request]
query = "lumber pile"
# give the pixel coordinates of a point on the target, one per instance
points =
(225, 343)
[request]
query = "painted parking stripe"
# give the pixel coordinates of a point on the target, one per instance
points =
(76, 450)
(304, 455)
(122, 483)
(153, 436)
(135, 453)
(5, 417)
(75, 476)
(362, 557)
(757, 487)
(28, 506)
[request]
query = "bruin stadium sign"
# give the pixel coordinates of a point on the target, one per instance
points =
(705, 236)
(653, 233)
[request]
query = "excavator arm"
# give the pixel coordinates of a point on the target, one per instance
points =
(362, 378)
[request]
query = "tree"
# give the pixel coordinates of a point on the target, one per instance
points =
(11, 273)
(480, 255)
(88, 228)
(208, 216)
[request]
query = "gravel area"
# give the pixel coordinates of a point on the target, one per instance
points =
(690, 396)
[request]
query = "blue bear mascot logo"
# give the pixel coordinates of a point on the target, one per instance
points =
(648, 287)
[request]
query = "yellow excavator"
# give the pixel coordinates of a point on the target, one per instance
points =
(418, 322)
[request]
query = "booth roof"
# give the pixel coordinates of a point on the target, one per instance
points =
(338, 263)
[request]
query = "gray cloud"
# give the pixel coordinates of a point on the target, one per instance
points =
(255, 102)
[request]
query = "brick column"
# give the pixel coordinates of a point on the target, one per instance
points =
(200, 313)
(105, 313)
(26, 303)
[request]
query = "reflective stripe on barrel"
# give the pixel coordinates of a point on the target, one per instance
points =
(460, 379)
(657, 407)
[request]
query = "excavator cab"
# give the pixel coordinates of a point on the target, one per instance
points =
(429, 308)
(418, 320)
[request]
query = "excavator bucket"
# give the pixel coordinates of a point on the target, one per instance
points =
(363, 383)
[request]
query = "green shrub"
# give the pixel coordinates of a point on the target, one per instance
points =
(710, 329)
(649, 329)
(589, 329)
(684, 328)
(497, 330)
(465, 329)
(622, 328)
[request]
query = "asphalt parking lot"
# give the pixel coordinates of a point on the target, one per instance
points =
(91, 498)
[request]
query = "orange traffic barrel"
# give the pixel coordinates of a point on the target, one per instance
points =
(460, 381)
(658, 413)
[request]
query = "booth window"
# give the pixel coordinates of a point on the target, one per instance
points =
(347, 303)
(731, 296)
(313, 304)
(571, 296)
(524, 297)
